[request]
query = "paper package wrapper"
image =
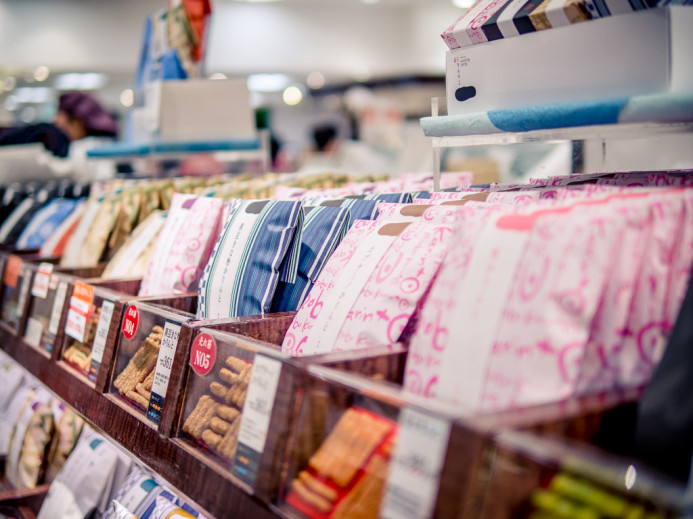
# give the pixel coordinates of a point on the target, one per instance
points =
(132, 259)
(389, 298)
(87, 481)
(184, 246)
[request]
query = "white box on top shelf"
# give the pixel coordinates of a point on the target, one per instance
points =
(644, 52)
(203, 109)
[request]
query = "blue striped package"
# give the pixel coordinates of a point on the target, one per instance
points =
(258, 247)
(367, 208)
(45, 222)
(323, 229)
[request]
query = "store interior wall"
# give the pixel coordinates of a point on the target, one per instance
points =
(342, 38)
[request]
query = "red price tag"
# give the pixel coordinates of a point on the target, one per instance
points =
(203, 354)
(132, 317)
(14, 265)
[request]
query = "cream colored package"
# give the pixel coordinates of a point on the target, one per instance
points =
(133, 257)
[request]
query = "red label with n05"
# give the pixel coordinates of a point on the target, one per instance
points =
(130, 322)
(203, 354)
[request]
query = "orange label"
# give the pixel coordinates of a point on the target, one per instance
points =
(78, 312)
(83, 291)
(14, 266)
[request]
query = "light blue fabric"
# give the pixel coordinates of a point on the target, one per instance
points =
(562, 115)
(661, 108)
(457, 125)
(654, 108)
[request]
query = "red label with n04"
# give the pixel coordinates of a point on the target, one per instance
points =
(203, 354)
(130, 322)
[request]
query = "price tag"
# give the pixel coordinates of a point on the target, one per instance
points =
(42, 280)
(417, 460)
(34, 330)
(12, 269)
(57, 310)
(130, 322)
(100, 337)
(257, 412)
(164, 363)
(23, 293)
(78, 311)
(203, 354)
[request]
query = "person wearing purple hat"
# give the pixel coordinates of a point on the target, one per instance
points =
(79, 115)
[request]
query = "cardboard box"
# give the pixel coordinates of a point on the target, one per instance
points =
(199, 110)
(645, 52)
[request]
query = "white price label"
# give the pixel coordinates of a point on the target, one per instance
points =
(257, 412)
(417, 460)
(76, 325)
(162, 375)
(79, 311)
(102, 331)
(23, 293)
(259, 402)
(42, 280)
(57, 311)
(164, 363)
(34, 330)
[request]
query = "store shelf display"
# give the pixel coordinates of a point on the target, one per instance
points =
(232, 413)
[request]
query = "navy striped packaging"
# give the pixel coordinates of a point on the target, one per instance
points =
(367, 208)
(323, 229)
(258, 247)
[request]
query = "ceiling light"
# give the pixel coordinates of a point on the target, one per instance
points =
(41, 73)
(11, 103)
(127, 97)
(370, 1)
(464, 4)
(32, 94)
(75, 81)
(292, 96)
(315, 80)
(10, 83)
(267, 82)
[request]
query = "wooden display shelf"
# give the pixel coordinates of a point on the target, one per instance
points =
(207, 485)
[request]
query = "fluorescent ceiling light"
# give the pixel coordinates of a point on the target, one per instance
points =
(32, 95)
(75, 81)
(292, 96)
(267, 82)
(464, 4)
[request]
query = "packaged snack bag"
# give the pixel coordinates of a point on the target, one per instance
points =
(323, 230)
(71, 249)
(68, 427)
(388, 299)
(55, 244)
(650, 320)
(318, 321)
(346, 475)
(45, 222)
(29, 443)
(258, 246)
(95, 243)
(184, 246)
(134, 255)
(87, 481)
(428, 344)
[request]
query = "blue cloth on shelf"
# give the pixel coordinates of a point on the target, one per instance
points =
(652, 108)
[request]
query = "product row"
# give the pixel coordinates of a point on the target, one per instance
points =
(309, 345)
